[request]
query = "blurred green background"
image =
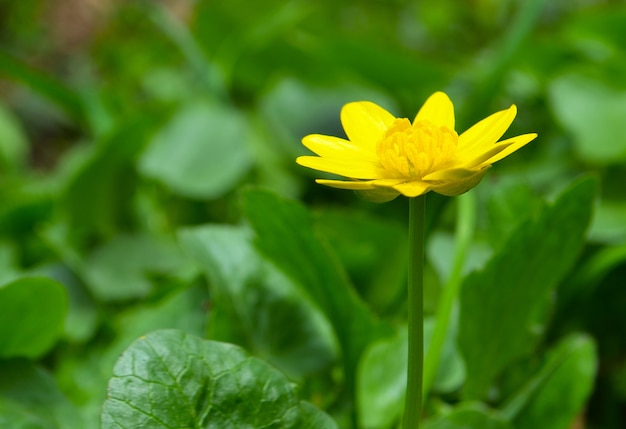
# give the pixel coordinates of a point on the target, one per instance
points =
(123, 121)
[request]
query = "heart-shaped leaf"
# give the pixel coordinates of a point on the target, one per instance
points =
(169, 379)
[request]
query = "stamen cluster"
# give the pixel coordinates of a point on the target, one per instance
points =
(414, 150)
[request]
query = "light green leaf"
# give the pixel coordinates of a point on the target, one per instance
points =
(40, 306)
(13, 142)
(256, 306)
(501, 304)
(169, 379)
(469, 416)
(557, 394)
(592, 111)
(200, 153)
(121, 268)
(609, 222)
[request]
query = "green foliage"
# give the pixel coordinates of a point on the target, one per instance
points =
(517, 282)
(469, 415)
(172, 379)
(40, 306)
(256, 306)
(148, 183)
(200, 153)
(30, 398)
(557, 392)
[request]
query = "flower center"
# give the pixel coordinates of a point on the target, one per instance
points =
(414, 150)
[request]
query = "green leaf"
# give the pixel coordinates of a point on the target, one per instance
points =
(381, 381)
(43, 84)
(609, 222)
(171, 379)
(509, 206)
(469, 416)
(373, 251)
(501, 303)
(40, 306)
(591, 110)
(200, 153)
(30, 399)
(99, 191)
(121, 268)
(382, 376)
(13, 141)
(557, 394)
(256, 306)
(85, 373)
(286, 234)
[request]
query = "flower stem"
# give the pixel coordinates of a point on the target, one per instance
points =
(466, 223)
(413, 400)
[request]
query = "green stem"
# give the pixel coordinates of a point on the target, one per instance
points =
(466, 219)
(413, 400)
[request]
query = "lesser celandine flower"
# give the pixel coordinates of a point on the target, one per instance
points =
(386, 156)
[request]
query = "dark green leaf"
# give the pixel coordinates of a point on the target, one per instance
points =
(373, 251)
(40, 306)
(99, 191)
(169, 379)
(87, 373)
(45, 85)
(30, 399)
(287, 236)
(469, 416)
(500, 304)
(255, 306)
(557, 394)
(510, 205)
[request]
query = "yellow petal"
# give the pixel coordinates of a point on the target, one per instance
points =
(438, 110)
(335, 147)
(450, 175)
(364, 189)
(485, 132)
(365, 122)
(412, 189)
(508, 147)
(378, 195)
(458, 187)
(360, 184)
(355, 169)
(500, 150)
(347, 184)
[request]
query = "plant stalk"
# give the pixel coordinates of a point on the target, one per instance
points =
(413, 399)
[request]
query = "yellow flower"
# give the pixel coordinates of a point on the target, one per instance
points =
(386, 156)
